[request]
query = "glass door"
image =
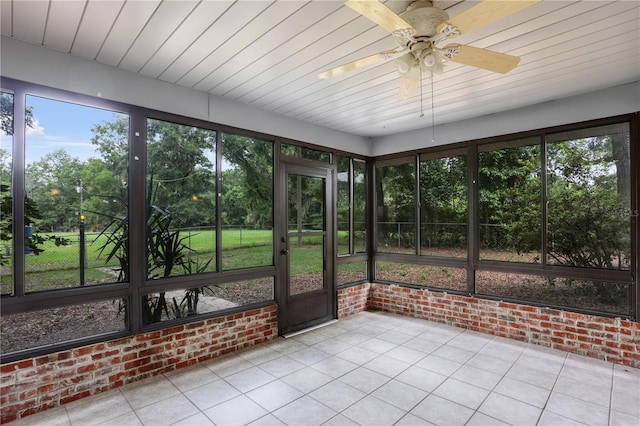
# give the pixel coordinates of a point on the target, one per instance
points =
(305, 248)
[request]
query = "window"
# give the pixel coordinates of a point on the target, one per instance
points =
(6, 200)
(344, 204)
(181, 199)
(182, 303)
(76, 194)
(50, 326)
(359, 206)
(351, 272)
(573, 293)
(443, 204)
(247, 202)
(423, 275)
(396, 207)
(304, 152)
(589, 196)
(510, 201)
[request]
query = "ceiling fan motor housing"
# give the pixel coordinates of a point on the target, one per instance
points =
(425, 18)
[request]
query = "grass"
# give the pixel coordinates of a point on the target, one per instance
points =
(58, 266)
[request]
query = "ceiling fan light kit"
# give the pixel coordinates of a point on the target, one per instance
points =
(419, 30)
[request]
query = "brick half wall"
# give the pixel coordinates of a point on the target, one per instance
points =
(611, 339)
(35, 384)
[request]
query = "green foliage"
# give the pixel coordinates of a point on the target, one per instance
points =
(443, 202)
(31, 215)
(180, 159)
(247, 181)
(6, 114)
(53, 183)
(395, 190)
(589, 221)
(510, 197)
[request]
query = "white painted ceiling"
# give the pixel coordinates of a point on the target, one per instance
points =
(269, 53)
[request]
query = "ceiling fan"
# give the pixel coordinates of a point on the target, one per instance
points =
(419, 30)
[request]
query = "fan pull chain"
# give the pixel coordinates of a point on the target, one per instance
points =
(421, 102)
(433, 115)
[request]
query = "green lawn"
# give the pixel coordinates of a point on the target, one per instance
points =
(58, 266)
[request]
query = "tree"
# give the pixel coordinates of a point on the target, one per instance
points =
(6, 114)
(31, 211)
(395, 196)
(178, 157)
(53, 183)
(247, 180)
(510, 196)
(443, 192)
(589, 224)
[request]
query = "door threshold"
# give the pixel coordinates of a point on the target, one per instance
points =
(315, 327)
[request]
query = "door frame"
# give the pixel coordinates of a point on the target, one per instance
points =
(286, 304)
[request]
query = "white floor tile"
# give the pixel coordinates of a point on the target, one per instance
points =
(198, 419)
(439, 364)
(249, 379)
(304, 411)
(98, 408)
(475, 376)
(274, 395)
(373, 411)
(281, 366)
(462, 393)
(268, 420)
(340, 420)
(440, 411)
(55, 417)
(406, 354)
(228, 364)
(388, 366)
(453, 354)
(191, 377)
(583, 391)
(259, 354)
(551, 419)
(377, 345)
(523, 392)
(334, 366)
(412, 420)
(211, 394)
(167, 411)
(309, 356)
(337, 395)
(532, 376)
(364, 379)
(489, 363)
(509, 410)
(575, 409)
(307, 379)
(421, 378)
(237, 411)
(400, 394)
(149, 391)
(479, 419)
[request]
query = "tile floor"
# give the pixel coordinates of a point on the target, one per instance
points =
(374, 369)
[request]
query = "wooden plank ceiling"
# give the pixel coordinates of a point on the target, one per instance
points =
(269, 54)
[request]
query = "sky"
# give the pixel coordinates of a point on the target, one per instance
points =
(62, 125)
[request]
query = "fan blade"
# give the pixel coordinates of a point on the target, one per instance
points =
(481, 58)
(363, 62)
(487, 12)
(380, 14)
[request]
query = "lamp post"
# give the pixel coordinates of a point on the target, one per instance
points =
(81, 218)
